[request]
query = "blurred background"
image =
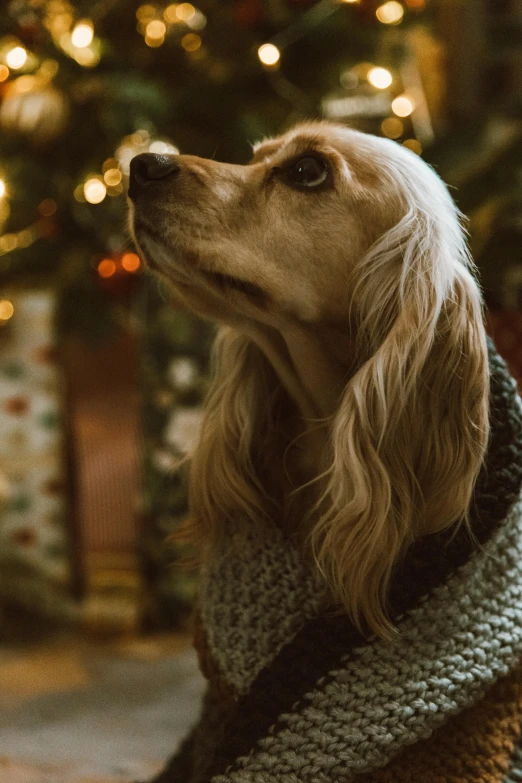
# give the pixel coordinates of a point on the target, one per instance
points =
(101, 379)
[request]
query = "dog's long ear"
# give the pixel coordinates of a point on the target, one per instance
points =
(411, 431)
(235, 441)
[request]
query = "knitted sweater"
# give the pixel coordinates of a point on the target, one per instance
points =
(298, 695)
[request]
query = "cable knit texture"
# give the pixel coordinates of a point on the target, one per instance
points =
(297, 695)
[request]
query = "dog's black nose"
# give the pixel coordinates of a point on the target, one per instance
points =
(148, 168)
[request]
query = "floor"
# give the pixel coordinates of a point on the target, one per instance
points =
(76, 711)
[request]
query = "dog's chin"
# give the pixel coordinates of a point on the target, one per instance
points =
(183, 267)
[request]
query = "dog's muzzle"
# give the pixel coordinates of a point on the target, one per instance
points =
(147, 169)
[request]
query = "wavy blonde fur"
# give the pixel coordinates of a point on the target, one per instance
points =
(407, 437)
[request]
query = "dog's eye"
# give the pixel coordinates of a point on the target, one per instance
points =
(308, 172)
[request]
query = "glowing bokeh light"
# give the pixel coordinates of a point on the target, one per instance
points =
(402, 106)
(112, 177)
(2, 188)
(269, 54)
(146, 12)
(106, 268)
(130, 262)
(414, 145)
(82, 34)
(6, 309)
(94, 190)
(191, 42)
(392, 127)
(156, 29)
(4, 72)
(16, 58)
(390, 13)
(170, 13)
(380, 78)
(185, 12)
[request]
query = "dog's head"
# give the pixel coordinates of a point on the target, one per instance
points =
(273, 240)
(329, 226)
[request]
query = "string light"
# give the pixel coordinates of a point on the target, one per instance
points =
(130, 262)
(392, 127)
(145, 13)
(156, 29)
(2, 188)
(4, 72)
(6, 310)
(390, 13)
(94, 190)
(349, 1)
(112, 177)
(402, 106)
(191, 42)
(197, 22)
(170, 13)
(16, 58)
(269, 54)
(185, 12)
(414, 145)
(82, 34)
(380, 78)
(106, 268)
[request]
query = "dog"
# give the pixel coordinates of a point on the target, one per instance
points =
(352, 434)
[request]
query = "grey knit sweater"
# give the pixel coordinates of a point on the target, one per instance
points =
(297, 695)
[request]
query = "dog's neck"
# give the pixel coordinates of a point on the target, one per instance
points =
(313, 365)
(313, 362)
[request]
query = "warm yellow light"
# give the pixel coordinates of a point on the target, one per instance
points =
(2, 188)
(413, 145)
(94, 190)
(16, 57)
(390, 13)
(4, 73)
(145, 12)
(268, 54)
(349, 1)
(82, 34)
(185, 12)
(154, 42)
(197, 22)
(156, 29)
(106, 268)
(110, 163)
(402, 106)
(417, 5)
(78, 194)
(130, 262)
(6, 309)
(112, 177)
(380, 78)
(392, 127)
(8, 242)
(191, 42)
(86, 56)
(170, 13)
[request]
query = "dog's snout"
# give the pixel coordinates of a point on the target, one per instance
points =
(148, 168)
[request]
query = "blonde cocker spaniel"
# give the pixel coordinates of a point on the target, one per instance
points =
(350, 391)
